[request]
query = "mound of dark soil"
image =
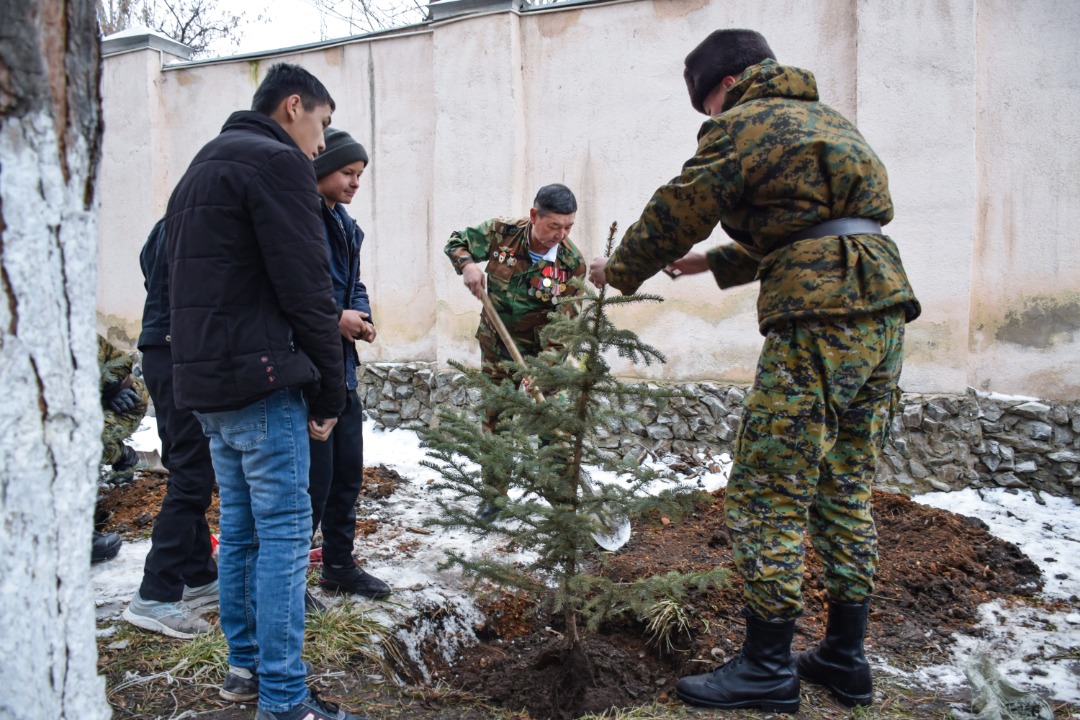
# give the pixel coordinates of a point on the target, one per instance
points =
(936, 568)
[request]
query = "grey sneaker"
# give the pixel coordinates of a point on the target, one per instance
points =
(202, 596)
(240, 685)
(313, 604)
(174, 619)
(313, 708)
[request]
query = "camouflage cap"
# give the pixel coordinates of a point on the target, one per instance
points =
(723, 53)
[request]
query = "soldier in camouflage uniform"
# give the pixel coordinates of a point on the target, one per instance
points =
(124, 400)
(803, 196)
(530, 263)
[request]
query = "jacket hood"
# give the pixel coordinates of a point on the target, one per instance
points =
(252, 121)
(769, 79)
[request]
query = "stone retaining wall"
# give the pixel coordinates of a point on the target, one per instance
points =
(938, 442)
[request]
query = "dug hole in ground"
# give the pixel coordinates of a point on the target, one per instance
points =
(963, 574)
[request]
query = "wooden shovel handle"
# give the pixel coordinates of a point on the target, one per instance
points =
(496, 321)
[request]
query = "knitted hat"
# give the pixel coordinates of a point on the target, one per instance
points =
(723, 53)
(341, 150)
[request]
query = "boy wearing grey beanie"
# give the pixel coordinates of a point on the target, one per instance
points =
(337, 464)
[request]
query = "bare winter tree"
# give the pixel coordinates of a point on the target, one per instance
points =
(50, 415)
(196, 23)
(116, 15)
(364, 16)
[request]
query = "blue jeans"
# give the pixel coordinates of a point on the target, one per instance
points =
(261, 459)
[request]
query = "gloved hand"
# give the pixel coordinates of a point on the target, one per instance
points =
(124, 401)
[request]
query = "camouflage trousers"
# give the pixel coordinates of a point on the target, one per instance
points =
(120, 426)
(493, 352)
(812, 430)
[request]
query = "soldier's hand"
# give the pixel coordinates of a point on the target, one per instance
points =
(475, 279)
(124, 401)
(598, 272)
(690, 264)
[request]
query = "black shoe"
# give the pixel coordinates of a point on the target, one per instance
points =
(353, 580)
(839, 662)
(762, 675)
(105, 547)
(311, 709)
(312, 604)
(240, 686)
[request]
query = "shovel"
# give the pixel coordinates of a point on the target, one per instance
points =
(615, 529)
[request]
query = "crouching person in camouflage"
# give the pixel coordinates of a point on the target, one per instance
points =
(804, 197)
(124, 400)
(530, 263)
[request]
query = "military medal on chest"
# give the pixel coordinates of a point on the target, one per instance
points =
(549, 284)
(504, 256)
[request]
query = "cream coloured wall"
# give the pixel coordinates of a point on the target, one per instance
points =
(968, 102)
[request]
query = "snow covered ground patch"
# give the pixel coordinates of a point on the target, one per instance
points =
(1034, 647)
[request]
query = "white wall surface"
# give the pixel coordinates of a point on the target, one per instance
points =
(970, 103)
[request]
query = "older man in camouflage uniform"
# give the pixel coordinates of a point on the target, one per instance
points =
(804, 197)
(530, 263)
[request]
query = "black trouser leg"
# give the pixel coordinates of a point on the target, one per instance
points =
(337, 472)
(180, 549)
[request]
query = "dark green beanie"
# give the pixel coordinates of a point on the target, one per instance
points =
(341, 150)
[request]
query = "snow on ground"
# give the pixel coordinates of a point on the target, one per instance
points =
(1029, 644)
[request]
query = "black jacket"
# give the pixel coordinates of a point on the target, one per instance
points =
(249, 279)
(343, 241)
(155, 269)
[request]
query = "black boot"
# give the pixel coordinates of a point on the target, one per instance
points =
(838, 662)
(762, 676)
(351, 579)
(105, 547)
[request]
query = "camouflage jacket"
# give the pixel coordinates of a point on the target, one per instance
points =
(115, 369)
(774, 162)
(523, 292)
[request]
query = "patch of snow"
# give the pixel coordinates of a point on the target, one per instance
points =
(1003, 397)
(1030, 644)
(136, 31)
(116, 580)
(145, 438)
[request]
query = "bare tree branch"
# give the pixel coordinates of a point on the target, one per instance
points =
(364, 16)
(195, 23)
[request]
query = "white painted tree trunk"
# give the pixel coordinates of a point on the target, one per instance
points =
(50, 414)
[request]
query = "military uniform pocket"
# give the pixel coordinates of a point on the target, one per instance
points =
(781, 433)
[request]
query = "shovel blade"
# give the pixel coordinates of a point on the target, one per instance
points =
(614, 529)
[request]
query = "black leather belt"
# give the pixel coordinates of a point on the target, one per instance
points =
(840, 226)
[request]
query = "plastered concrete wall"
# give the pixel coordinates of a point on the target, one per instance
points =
(1025, 301)
(968, 102)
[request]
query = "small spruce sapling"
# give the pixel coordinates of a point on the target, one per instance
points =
(541, 452)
